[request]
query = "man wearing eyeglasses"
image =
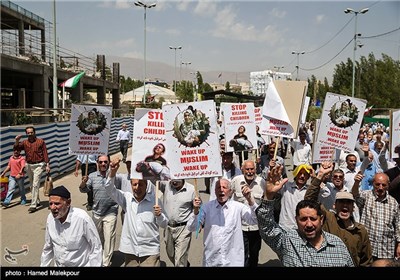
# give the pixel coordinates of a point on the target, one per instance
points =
(338, 207)
(105, 209)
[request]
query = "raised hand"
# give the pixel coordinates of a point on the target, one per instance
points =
(274, 182)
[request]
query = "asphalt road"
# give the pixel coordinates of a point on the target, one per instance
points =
(24, 232)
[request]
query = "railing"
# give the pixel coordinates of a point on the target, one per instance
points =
(15, 117)
(32, 47)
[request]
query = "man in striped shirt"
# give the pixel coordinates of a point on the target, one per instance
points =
(37, 160)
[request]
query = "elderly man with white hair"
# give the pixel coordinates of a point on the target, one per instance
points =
(221, 220)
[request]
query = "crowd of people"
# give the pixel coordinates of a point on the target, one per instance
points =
(332, 214)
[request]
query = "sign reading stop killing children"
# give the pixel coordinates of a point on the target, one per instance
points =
(149, 149)
(282, 108)
(258, 119)
(341, 121)
(192, 140)
(240, 126)
(89, 129)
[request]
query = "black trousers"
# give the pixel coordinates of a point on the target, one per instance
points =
(252, 247)
(92, 167)
(123, 147)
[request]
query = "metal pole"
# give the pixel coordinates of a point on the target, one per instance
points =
(141, 4)
(350, 11)
(55, 89)
(144, 52)
(175, 73)
(354, 55)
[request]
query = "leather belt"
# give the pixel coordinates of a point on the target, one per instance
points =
(175, 224)
(36, 162)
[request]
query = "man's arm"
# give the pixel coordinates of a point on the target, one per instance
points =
(312, 192)
(77, 166)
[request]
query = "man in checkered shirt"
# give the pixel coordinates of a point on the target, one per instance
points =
(306, 246)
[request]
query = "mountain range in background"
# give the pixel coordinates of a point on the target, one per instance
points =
(133, 68)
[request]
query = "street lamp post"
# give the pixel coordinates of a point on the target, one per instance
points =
(175, 48)
(185, 63)
(145, 6)
(297, 66)
(351, 11)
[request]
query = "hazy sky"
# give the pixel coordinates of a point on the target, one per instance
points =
(228, 35)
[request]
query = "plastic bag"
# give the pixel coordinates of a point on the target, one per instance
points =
(48, 185)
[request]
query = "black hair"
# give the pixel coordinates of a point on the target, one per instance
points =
(309, 204)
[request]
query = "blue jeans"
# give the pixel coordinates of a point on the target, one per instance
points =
(12, 183)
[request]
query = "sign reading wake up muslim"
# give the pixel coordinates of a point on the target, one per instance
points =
(89, 129)
(192, 139)
(341, 121)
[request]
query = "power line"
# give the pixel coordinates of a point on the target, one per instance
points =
(311, 69)
(332, 37)
(363, 37)
(380, 35)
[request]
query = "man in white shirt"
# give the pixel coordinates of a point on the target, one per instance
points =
(221, 220)
(124, 136)
(140, 237)
(71, 238)
(301, 151)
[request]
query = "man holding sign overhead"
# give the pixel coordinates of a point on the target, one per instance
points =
(140, 237)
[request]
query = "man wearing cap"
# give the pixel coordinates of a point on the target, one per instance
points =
(307, 245)
(71, 237)
(292, 193)
(178, 196)
(340, 220)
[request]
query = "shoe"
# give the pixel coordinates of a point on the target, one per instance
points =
(5, 205)
(89, 207)
(23, 202)
(31, 209)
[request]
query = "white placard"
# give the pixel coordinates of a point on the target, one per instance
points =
(89, 129)
(192, 139)
(341, 121)
(149, 149)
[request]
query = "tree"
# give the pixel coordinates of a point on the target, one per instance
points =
(377, 81)
(227, 86)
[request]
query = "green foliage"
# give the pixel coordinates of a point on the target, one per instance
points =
(313, 113)
(185, 91)
(207, 87)
(377, 81)
(20, 118)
